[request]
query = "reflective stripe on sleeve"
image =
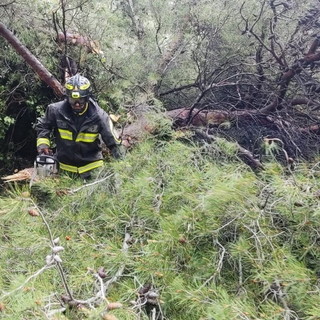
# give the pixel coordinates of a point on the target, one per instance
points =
(82, 169)
(43, 141)
(86, 137)
(65, 134)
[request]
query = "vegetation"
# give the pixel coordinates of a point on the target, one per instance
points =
(192, 225)
(255, 63)
(182, 228)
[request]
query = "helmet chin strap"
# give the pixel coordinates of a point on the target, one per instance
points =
(81, 112)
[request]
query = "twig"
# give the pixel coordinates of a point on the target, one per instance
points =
(118, 274)
(7, 4)
(222, 253)
(258, 243)
(104, 286)
(90, 184)
(229, 222)
(255, 164)
(58, 264)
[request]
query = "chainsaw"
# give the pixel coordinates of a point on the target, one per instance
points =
(46, 166)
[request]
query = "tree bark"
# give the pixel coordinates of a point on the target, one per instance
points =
(33, 62)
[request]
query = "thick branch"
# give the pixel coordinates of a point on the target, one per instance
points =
(34, 63)
(303, 100)
(187, 86)
(287, 76)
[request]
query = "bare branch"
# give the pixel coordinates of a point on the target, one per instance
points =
(91, 184)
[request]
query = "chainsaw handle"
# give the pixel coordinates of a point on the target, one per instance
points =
(43, 158)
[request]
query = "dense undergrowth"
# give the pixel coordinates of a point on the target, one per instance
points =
(207, 236)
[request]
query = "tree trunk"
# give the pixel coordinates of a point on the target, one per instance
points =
(33, 62)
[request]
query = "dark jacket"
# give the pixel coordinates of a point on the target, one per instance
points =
(77, 137)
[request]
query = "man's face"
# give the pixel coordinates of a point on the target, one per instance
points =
(77, 104)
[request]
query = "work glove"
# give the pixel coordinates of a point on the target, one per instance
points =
(118, 152)
(45, 150)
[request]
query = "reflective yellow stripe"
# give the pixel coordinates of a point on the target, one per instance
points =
(65, 134)
(114, 133)
(90, 166)
(82, 169)
(43, 141)
(67, 167)
(86, 137)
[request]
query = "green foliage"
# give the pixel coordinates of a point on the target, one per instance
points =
(5, 123)
(144, 48)
(213, 239)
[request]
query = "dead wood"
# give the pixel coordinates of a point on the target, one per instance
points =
(296, 68)
(22, 175)
(76, 39)
(199, 118)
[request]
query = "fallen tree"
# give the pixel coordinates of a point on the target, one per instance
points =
(250, 114)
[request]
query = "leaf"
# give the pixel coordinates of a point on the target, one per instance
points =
(114, 305)
(57, 249)
(102, 273)
(33, 212)
(158, 274)
(62, 192)
(25, 194)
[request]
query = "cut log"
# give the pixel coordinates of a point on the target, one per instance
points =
(199, 118)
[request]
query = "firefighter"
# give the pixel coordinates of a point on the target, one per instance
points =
(77, 124)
